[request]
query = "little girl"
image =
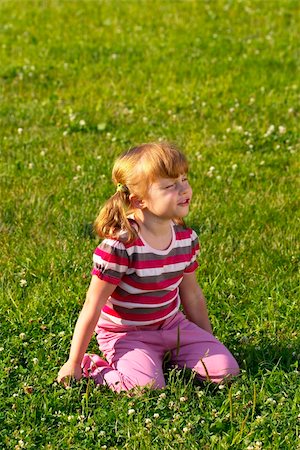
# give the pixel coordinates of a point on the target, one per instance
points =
(144, 269)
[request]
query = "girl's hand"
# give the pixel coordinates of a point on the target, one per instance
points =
(68, 371)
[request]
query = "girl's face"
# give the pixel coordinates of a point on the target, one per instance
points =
(169, 198)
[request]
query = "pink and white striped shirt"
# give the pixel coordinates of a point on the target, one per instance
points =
(147, 279)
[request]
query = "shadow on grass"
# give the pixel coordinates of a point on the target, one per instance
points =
(260, 358)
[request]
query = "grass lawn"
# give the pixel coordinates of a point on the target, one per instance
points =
(81, 81)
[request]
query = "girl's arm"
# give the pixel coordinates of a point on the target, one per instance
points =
(96, 297)
(193, 301)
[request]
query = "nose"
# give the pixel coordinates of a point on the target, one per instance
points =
(184, 187)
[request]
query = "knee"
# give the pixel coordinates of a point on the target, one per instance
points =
(217, 368)
(226, 373)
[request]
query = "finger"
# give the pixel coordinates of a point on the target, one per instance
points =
(64, 380)
(67, 381)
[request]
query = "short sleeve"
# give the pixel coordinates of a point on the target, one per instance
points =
(194, 252)
(110, 261)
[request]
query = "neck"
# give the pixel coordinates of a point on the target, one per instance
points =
(157, 226)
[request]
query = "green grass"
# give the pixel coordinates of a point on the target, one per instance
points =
(213, 76)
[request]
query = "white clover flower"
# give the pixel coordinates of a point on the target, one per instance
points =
(22, 336)
(30, 166)
(269, 131)
(221, 386)
(234, 166)
(61, 333)
(185, 429)
(156, 415)
(131, 411)
(65, 133)
(82, 123)
(35, 361)
(20, 130)
(199, 156)
(162, 395)
(70, 418)
(101, 433)
(148, 421)
(282, 129)
(23, 283)
(183, 399)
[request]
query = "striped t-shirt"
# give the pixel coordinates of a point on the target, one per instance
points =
(147, 279)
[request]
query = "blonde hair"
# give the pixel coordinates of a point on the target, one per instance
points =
(133, 172)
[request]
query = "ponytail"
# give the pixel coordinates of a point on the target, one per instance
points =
(112, 220)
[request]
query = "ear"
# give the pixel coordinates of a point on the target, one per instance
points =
(136, 202)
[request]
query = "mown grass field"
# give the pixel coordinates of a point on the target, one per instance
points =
(82, 81)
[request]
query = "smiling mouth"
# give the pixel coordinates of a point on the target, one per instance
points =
(185, 203)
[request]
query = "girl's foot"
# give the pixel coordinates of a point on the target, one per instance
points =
(92, 366)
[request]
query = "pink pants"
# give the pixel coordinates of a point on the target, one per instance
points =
(135, 354)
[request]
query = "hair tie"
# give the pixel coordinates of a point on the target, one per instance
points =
(121, 188)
